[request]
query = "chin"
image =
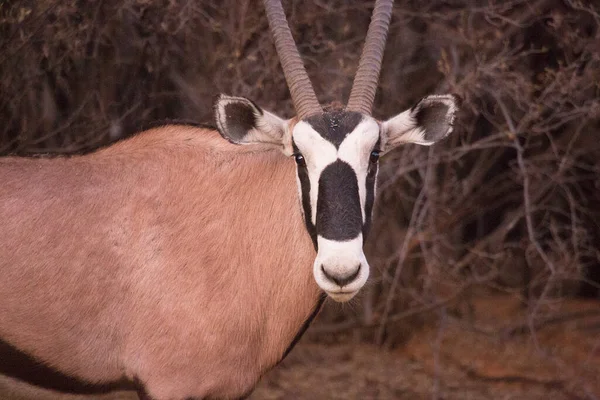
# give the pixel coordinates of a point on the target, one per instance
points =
(341, 297)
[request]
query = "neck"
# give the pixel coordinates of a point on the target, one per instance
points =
(259, 233)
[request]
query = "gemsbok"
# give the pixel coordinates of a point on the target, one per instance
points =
(186, 265)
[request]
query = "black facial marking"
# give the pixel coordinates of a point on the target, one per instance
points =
(339, 216)
(22, 366)
(239, 119)
(305, 189)
(433, 118)
(335, 125)
(370, 196)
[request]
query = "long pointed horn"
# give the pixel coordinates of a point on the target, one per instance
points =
(303, 94)
(367, 75)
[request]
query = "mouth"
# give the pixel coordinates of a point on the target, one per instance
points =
(342, 296)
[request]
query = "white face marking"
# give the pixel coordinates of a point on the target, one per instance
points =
(338, 258)
(318, 154)
(356, 151)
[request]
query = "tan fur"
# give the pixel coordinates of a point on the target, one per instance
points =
(173, 257)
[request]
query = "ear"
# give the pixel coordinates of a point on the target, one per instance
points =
(425, 123)
(241, 121)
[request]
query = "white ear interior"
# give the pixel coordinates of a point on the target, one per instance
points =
(430, 120)
(241, 121)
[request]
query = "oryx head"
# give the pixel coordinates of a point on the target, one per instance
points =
(336, 152)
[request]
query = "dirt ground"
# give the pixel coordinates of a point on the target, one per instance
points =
(480, 357)
(462, 360)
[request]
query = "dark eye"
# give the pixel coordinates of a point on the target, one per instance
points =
(299, 159)
(374, 156)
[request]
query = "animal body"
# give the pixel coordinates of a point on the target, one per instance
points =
(186, 261)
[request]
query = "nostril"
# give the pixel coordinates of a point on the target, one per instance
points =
(344, 279)
(330, 277)
(352, 276)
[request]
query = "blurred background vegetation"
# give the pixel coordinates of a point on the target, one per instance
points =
(508, 206)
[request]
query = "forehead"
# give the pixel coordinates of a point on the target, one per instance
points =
(335, 127)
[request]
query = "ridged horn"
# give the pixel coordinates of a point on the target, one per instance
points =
(303, 95)
(365, 82)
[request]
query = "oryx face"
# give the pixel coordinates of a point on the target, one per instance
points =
(336, 155)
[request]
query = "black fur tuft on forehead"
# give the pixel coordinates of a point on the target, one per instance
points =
(335, 125)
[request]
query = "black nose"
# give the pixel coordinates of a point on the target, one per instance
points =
(344, 279)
